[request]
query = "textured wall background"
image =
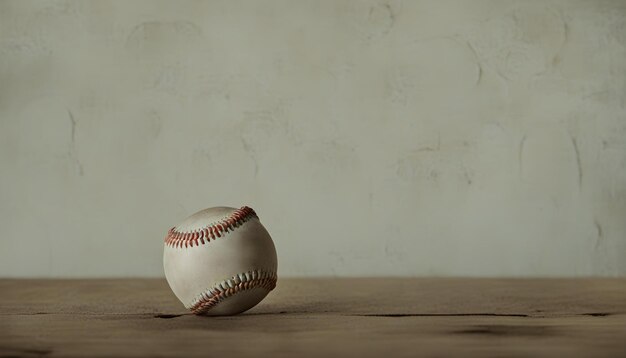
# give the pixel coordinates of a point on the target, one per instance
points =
(478, 138)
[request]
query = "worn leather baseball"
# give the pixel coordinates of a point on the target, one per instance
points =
(220, 261)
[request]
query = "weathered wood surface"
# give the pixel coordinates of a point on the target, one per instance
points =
(320, 317)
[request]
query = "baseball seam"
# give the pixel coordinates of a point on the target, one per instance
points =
(179, 239)
(211, 297)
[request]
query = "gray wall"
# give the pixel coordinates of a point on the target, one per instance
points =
(473, 138)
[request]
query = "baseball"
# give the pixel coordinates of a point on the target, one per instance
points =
(220, 261)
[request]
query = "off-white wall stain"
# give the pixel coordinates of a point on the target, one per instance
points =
(482, 138)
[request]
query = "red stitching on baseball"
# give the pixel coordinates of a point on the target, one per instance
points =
(210, 232)
(217, 294)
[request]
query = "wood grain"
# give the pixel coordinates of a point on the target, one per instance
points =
(320, 317)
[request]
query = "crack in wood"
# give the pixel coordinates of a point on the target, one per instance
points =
(442, 315)
(505, 330)
(168, 316)
(23, 352)
(597, 314)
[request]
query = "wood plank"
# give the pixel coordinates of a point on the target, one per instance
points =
(320, 317)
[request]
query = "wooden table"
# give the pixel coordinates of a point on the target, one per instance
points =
(381, 317)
